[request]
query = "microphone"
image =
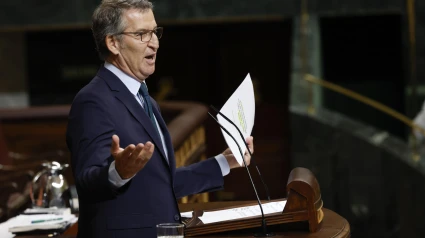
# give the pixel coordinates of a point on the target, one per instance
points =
(264, 232)
(240, 133)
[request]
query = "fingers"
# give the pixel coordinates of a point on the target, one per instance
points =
(149, 148)
(115, 147)
(145, 154)
(250, 142)
(142, 154)
(135, 155)
(128, 151)
(132, 159)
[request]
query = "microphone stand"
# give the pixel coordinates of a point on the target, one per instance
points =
(249, 151)
(264, 232)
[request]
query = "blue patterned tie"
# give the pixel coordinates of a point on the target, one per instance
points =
(143, 90)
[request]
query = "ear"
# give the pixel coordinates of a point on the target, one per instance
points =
(112, 44)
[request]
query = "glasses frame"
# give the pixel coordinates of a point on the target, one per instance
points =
(141, 33)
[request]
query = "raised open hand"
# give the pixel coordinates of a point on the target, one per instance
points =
(132, 159)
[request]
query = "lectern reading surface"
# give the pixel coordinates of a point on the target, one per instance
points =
(303, 203)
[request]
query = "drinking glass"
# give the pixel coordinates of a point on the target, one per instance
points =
(170, 230)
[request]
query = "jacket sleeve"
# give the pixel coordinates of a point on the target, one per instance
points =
(204, 176)
(89, 138)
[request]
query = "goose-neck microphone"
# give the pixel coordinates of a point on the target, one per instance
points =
(252, 160)
(264, 232)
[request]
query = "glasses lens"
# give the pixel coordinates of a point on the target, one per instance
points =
(145, 37)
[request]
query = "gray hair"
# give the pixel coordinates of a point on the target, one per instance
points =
(107, 20)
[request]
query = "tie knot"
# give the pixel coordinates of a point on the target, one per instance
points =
(143, 90)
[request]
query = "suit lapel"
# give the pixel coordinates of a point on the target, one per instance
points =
(130, 102)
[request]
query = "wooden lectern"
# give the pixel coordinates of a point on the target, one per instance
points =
(303, 207)
(303, 215)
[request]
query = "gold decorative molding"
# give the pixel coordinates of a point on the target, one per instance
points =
(192, 150)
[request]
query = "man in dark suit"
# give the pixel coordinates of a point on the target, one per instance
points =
(126, 191)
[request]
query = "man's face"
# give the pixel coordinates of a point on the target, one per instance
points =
(135, 57)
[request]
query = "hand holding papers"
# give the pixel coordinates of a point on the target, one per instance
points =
(240, 108)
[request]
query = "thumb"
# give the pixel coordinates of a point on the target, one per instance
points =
(115, 147)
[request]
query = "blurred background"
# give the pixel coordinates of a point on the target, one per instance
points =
(337, 86)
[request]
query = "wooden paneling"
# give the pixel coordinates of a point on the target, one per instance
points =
(35, 136)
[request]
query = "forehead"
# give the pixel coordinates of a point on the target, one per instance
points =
(137, 19)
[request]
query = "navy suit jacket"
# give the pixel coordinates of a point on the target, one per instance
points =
(106, 107)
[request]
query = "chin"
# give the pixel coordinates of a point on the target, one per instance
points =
(149, 72)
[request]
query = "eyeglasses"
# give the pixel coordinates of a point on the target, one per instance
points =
(145, 35)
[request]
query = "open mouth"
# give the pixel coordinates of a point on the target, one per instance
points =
(150, 57)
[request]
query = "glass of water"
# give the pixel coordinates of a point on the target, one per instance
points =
(170, 230)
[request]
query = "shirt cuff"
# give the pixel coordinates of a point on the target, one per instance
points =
(114, 178)
(224, 165)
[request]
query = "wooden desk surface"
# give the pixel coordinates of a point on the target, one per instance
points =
(333, 225)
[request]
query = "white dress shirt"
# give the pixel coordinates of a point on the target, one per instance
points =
(133, 86)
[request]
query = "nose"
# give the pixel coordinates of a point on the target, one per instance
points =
(154, 42)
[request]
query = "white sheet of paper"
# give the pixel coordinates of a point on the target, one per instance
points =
(23, 223)
(242, 212)
(239, 108)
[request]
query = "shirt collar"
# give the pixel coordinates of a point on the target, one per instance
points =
(132, 84)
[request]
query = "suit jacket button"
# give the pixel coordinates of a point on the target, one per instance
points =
(176, 217)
